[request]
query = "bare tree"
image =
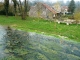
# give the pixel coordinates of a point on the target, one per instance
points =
(15, 5)
(6, 6)
(20, 5)
(24, 12)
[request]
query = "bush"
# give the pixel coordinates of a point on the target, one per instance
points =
(2, 12)
(70, 16)
(77, 16)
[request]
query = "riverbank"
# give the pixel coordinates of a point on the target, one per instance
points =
(42, 26)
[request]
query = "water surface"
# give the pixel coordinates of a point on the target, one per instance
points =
(22, 45)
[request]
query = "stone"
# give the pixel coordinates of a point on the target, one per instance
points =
(43, 11)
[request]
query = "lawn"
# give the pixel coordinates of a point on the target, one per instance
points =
(42, 26)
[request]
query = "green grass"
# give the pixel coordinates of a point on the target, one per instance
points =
(42, 26)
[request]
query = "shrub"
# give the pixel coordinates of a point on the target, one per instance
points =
(77, 16)
(2, 12)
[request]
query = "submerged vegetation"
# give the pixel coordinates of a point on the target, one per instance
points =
(31, 46)
(15, 44)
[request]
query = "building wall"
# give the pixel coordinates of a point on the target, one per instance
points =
(40, 11)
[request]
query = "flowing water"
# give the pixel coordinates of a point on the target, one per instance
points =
(2, 33)
(33, 46)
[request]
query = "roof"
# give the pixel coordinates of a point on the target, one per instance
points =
(50, 8)
(64, 7)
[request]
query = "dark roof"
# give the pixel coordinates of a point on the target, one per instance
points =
(49, 8)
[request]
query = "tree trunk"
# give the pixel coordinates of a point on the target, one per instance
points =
(20, 6)
(23, 10)
(6, 6)
(15, 6)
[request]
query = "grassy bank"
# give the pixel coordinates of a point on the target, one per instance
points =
(41, 25)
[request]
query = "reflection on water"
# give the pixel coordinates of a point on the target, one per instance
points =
(32, 46)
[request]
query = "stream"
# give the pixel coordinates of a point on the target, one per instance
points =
(2, 33)
(33, 46)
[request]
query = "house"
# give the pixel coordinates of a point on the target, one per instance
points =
(42, 10)
(45, 11)
(64, 10)
(60, 9)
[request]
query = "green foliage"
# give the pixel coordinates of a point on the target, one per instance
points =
(1, 6)
(77, 16)
(2, 12)
(11, 57)
(6, 8)
(67, 17)
(71, 7)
